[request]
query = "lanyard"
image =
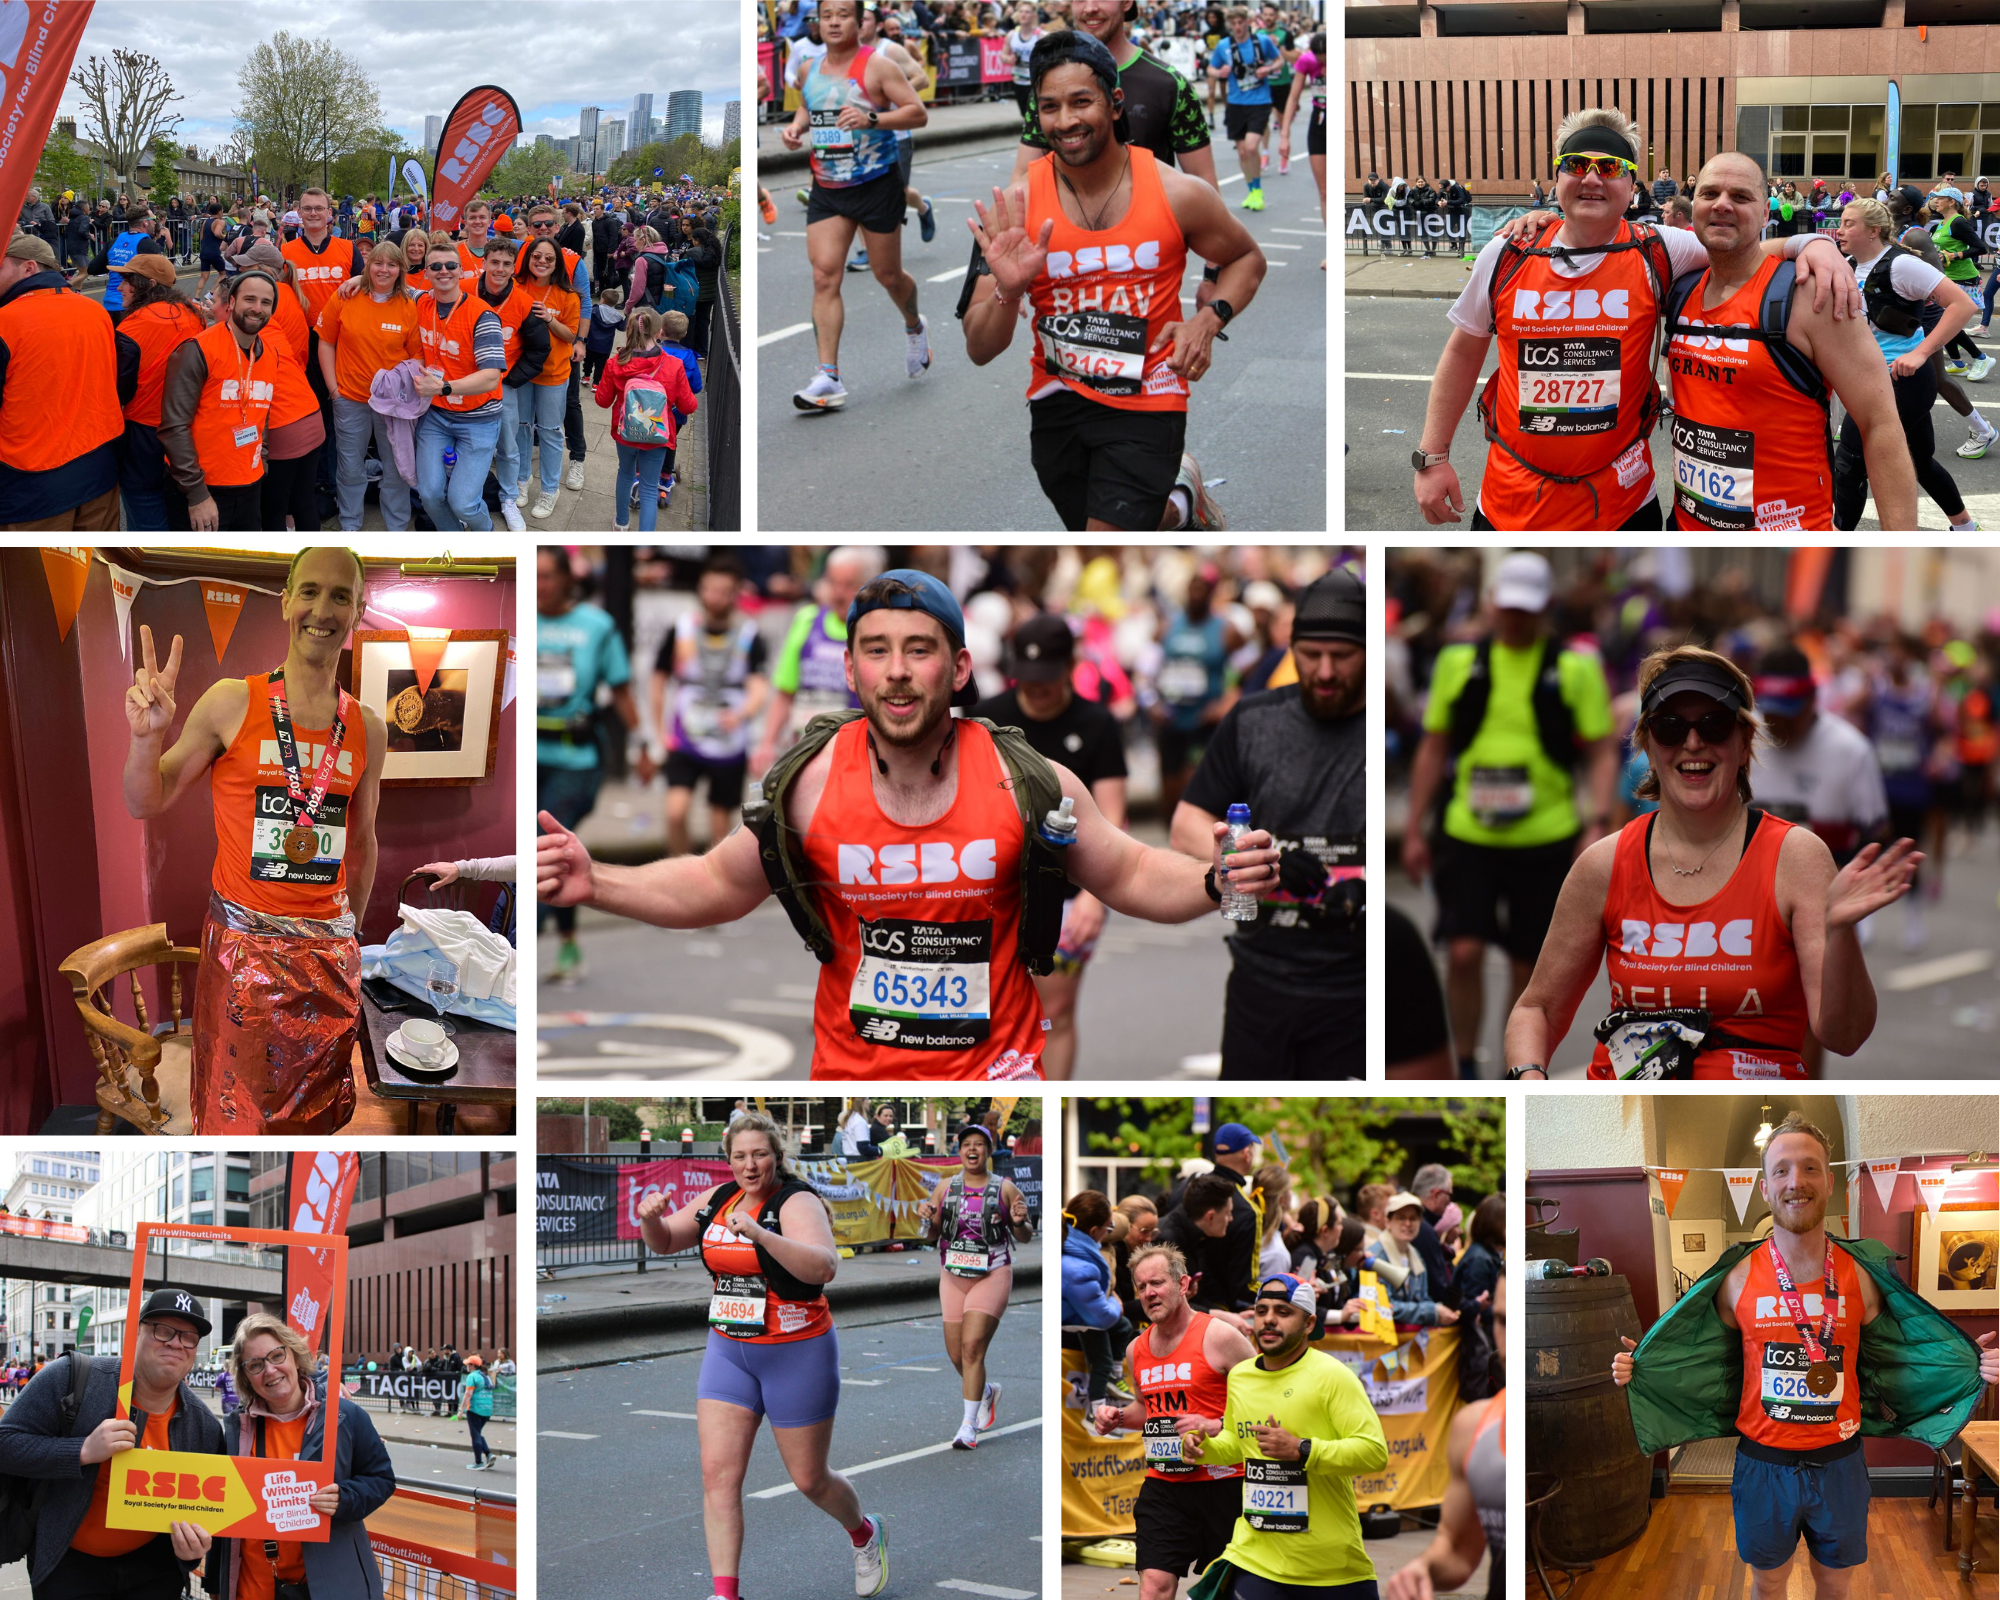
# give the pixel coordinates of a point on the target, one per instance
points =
(245, 372)
(1795, 1307)
(306, 808)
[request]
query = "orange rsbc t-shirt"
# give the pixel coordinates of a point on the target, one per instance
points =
(94, 1538)
(282, 1442)
(368, 336)
(288, 324)
(254, 811)
(567, 308)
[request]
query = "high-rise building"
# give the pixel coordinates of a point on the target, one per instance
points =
(545, 141)
(586, 125)
(577, 151)
(612, 144)
(641, 124)
(732, 120)
(433, 126)
(683, 113)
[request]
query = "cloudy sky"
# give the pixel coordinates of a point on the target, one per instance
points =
(553, 56)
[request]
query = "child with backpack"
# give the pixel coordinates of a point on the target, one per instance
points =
(645, 388)
(606, 318)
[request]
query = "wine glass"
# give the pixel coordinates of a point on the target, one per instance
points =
(441, 983)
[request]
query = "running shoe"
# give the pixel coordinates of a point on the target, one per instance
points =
(1284, 166)
(573, 479)
(858, 262)
(1955, 368)
(917, 348)
(822, 394)
(527, 488)
(989, 1408)
(1204, 515)
(1254, 200)
(1978, 370)
(767, 208)
(871, 1561)
(967, 1438)
(927, 222)
(800, 196)
(569, 965)
(1977, 445)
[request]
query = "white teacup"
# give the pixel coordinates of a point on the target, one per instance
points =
(423, 1039)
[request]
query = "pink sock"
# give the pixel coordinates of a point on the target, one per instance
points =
(862, 1534)
(726, 1588)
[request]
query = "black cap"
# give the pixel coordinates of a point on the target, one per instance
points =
(1042, 649)
(175, 1303)
(1332, 606)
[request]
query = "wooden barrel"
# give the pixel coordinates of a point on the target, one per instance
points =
(1578, 1426)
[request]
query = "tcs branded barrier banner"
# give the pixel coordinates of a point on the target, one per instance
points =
(1413, 1388)
(237, 1497)
(573, 1202)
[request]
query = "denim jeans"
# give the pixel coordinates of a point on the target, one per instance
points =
(542, 413)
(507, 452)
(477, 1425)
(353, 422)
(645, 464)
(1992, 283)
(461, 502)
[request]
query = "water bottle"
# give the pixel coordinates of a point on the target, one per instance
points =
(450, 456)
(1236, 907)
(1059, 826)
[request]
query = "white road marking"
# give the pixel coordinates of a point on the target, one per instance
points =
(772, 1008)
(684, 1416)
(1314, 233)
(1394, 377)
(894, 1461)
(783, 333)
(916, 1369)
(946, 277)
(551, 1433)
(1925, 973)
(865, 1383)
(964, 1586)
(1273, 244)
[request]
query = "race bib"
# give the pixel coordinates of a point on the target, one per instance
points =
(555, 678)
(827, 137)
(1163, 1446)
(1274, 1496)
(1183, 678)
(1786, 1385)
(922, 985)
(1714, 480)
(1899, 755)
(967, 1262)
(275, 818)
(1499, 795)
(1568, 387)
(1104, 349)
(737, 1306)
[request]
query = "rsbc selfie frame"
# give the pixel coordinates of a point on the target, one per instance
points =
(235, 1497)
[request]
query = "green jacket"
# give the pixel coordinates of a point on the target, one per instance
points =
(1919, 1372)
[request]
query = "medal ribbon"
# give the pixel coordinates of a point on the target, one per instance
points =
(305, 807)
(1795, 1307)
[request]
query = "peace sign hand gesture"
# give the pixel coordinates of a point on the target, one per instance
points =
(1873, 879)
(1017, 260)
(149, 703)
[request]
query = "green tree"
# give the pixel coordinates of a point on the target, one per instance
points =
(166, 182)
(525, 169)
(62, 167)
(365, 168)
(708, 164)
(621, 1115)
(305, 102)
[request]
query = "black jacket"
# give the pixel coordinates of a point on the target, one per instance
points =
(1376, 193)
(1457, 199)
(1424, 199)
(1229, 1264)
(534, 337)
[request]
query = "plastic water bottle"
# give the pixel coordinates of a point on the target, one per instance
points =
(1059, 825)
(450, 456)
(1236, 906)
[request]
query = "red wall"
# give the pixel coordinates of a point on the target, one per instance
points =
(1611, 1209)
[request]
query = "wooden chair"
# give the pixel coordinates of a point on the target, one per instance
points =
(144, 1077)
(1948, 1476)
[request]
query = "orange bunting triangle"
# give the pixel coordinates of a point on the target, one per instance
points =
(224, 604)
(427, 647)
(67, 571)
(1670, 1185)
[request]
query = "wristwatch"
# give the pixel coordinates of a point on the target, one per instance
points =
(1224, 311)
(1208, 883)
(1514, 1074)
(447, 386)
(872, 118)
(1421, 459)
(1305, 1451)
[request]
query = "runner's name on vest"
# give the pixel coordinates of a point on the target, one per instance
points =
(1163, 1446)
(825, 135)
(1569, 386)
(277, 816)
(1499, 795)
(966, 1261)
(1714, 473)
(1786, 1388)
(555, 678)
(922, 985)
(1105, 349)
(737, 1305)
(1274, 1495)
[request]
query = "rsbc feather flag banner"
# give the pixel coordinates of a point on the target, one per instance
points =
(38, 41)
(481, 129)
(319, 1188)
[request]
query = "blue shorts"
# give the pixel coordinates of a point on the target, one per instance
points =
(795, 1384)
(1774, 1505)
(1251, 1587)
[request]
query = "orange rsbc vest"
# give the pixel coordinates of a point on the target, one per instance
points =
(926, 980)
(1105, 295)
(471, 264)
(1574, 397)
(1750, 449)
(1732, 955)
(295, 400)
(253, 811)
(61, 399)
(512, 312)
(235, 407)
(448, 345)
(158, 330)
(1778, 1408)
(1178, 1384)
(288, 324)
(320, 273)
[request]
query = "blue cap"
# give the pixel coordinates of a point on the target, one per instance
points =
(1233, 1136)
(927, 595)
(1283, 1286)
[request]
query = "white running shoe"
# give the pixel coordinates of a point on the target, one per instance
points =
(967, 1437)
(871, 1561)
(544, 508)
(989, 1407)
(526, 489)
(1978, 370)
(824, 393)
(1204, 515)
(512, 513)
(573, 479)
(917, 348)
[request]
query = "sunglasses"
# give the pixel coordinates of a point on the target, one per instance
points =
(441, 266)
(1604, 166)
(1671, 729)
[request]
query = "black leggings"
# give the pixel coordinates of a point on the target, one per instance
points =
(1947, 386)
(1963, 340)
(1915, 395)
(289, 491)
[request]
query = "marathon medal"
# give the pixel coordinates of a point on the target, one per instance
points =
(1822, 1374)
(301, 841)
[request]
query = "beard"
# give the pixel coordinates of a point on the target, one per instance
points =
(1333, 704)
(1801, 1215)
(918, 730)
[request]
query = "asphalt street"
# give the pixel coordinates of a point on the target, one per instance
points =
(620, 1476)
(1393, 346)
(950, 449)
(735, 1002)
(1938, 1001)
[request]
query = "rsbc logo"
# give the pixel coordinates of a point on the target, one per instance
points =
(180, 1487)
(1690, 941)
(1564, 305)
(931, 861)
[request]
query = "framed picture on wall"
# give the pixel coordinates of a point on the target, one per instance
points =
(1694, 1244)
(448, 733)
(1957, 1266)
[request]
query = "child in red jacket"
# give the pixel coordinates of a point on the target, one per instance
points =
(643, 387)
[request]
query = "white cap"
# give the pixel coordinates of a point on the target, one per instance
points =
(1523, 582)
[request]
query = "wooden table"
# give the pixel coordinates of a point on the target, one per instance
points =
(484, 1075)
(1980, 1443)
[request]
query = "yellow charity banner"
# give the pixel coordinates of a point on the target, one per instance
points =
(230, 1496)
(1414, 1390)
(1377, 1321)
(1101, 1475)
(874, 1202)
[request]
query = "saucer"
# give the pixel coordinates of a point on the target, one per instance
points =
(414, 1065)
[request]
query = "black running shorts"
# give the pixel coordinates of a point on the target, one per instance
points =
(1474, 881)
(685, 769)
(877, 205)
(1183, 1526)
(1316, 130)
(1099, 461)
(1238, 122)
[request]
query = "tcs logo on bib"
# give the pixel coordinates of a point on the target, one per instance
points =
(932, 861)
(1690, 941)
(1565, 305)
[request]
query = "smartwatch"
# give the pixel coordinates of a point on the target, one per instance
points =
(872, 118)
(1224, 311)
(1421, 459)
(1515, 1074)
(447, 386)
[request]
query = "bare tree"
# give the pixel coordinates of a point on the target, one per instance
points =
(305, 104)
(125, 107)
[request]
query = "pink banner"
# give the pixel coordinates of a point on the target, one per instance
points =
(996, 64)
(43, 1228)
(679, 1178)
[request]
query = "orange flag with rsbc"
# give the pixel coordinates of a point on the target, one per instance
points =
(224, 604)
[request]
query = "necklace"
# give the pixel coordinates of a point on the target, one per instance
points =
(1091, 223)
(1680, 871)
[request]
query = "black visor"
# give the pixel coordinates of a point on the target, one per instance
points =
(1597, 140)
(1696, 677)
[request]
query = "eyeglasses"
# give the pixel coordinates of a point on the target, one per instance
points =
(173, 1338)
(276, 1358)
(1671, 730)
(1604, 166)
(441, 266)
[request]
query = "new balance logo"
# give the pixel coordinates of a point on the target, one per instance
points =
(1564, 305)
(928, 862)
(881, 1029)
(1687, 941)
